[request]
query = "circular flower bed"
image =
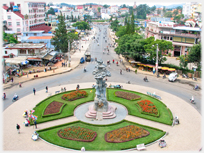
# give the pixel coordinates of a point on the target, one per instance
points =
(75, 95)
(148, 107)
(126, 133)
(53, 107)
(77, 134)
(127, 95)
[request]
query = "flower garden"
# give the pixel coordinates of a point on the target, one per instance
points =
(117, 136)
(127, 95)
(77, 134)
(53, 107)
(75, 95)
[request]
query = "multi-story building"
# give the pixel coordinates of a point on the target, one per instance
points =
(191, 10)
(32, 14)
(124, 10)
(182, 37)
(13, 19)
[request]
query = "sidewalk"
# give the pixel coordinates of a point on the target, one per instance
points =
(180, 79)
(183, 137)
(75, 61)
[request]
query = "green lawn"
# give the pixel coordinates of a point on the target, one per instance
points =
(68, 109)
(99, 143)
(165, 116)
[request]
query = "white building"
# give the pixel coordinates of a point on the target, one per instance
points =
(189, 9)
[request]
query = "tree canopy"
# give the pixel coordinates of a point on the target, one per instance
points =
(82, 25)
(51, 11)
(10, 38)
(115, 24)
(194, 55)
(142, 10)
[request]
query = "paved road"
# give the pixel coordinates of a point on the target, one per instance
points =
(184, 91)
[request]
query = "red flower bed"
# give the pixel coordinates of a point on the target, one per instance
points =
(148, 107)
(125, 134)
(75, 95)
(127, 95)
(53, 107)
(77, 134)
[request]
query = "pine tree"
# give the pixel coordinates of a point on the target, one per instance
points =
(60, 39)
(125, 21)
(128, 28)
(132, 24)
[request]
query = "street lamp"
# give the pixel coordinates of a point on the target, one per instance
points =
(69, 53)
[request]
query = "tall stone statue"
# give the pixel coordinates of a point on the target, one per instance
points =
(99, 73)
(101, 109)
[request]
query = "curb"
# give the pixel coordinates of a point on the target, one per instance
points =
(41, 77)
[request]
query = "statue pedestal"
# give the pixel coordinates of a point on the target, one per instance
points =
(101, 114)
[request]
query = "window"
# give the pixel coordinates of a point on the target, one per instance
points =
(35, 34)
(9, 17)
(31, 51)
(26, 34)
(18, 30)
(171, 38)
(17, 23)
(5, 52)
(22, 51)
(9, 24)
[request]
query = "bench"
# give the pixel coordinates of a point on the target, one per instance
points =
(141, 146)
(57, 91)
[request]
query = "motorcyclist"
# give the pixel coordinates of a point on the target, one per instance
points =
(15, 96)
(145, 79)
(196, 87)
(164, 76)
(117, 63)
(192, 100)
(84, 69)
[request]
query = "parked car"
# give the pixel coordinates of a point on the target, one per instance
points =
(173, 76)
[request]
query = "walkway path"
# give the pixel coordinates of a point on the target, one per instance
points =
(183, 137)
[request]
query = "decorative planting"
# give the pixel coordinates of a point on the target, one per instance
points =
(148, 107)
(77, 134)
(127, 95)
(125, 134)
(75, 95)
(53, 108)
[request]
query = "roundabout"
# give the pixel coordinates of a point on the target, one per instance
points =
(187, 114)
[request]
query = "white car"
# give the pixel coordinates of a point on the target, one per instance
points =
(173, 77)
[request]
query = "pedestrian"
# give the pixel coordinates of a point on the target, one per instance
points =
(35, 123)
(46, 89)
(113, 60)
(34, 91)
(65, 89)
(62, 89)
(77, 88)
(121, 71)
(18, 128)
(27, 75)
(66, 64)
(62, 64)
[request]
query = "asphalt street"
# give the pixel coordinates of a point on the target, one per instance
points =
(184, 91)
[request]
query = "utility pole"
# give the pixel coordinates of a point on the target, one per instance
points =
(157, 63)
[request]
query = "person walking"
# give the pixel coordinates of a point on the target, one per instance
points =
(46, 89)
(35, 123)
(34, 91)
(18, 128)
(121, 71)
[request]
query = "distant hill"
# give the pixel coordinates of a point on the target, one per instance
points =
(65, 4)
(170, 6)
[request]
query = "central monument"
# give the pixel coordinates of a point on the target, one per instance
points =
(101, 108)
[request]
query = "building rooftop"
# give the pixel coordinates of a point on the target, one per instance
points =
(187, 28)
(40, 37)
(26, 46)
(34, 31)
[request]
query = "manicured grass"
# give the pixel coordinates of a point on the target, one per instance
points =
(165, 116)
(99, 143)
(68, 109)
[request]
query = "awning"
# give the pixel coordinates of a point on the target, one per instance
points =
(34, 59)
(48, 57)
(171, 69)
(165, 68)
(16, 60)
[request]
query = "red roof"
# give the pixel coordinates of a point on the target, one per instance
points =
(41, 27)
(19, 14)
(79, 7)
(5, 7)
(40, 37)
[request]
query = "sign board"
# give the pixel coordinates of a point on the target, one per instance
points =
(76, 32)
(165, 25)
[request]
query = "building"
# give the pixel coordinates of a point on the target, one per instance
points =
(124, 10)
(24, 49)
(13, 19)
(182, 37)
(192, 9)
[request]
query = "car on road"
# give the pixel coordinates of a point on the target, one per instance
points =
(87, 56)
(173, 76)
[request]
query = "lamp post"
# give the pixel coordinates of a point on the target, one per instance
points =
(157, 63)
(68, 53)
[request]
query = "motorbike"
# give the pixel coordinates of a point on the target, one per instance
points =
(15, 99)
(192, 101)
(84, 70)
(4, 96)
(164, 76)
(145, 80)
(185, 76)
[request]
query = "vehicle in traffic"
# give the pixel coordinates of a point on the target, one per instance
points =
(82, 60)
(173, 76)
(88, 56)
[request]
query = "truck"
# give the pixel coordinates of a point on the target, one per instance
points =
(87, 56)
